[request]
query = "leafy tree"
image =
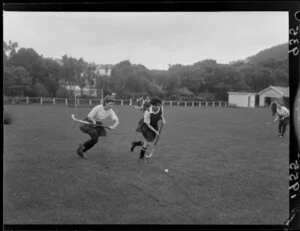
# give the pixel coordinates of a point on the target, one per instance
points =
(89, 76)
(38, 89)
(16, 80)
(71, 72)
(51, 76)
(9, 50)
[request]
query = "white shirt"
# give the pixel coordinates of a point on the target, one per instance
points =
(98, 113)
(283, 111)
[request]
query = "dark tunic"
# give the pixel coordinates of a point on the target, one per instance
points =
(148, 134)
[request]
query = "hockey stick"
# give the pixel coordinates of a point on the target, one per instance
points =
(155, 143)
(85, 122)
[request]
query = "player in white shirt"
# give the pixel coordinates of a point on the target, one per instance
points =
(283, 114)
(95, 129)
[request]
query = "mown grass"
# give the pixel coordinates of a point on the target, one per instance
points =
(225, 167)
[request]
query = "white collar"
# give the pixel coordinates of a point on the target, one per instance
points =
(151, 110)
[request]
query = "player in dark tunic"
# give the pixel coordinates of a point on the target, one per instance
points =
(148, 125)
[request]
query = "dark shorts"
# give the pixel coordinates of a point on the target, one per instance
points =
(92, 129)
(286, 121)
(148, 134)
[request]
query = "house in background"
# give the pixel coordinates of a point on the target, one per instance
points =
(104, 69)
(241, 99)
(85, 91)
(267, 95)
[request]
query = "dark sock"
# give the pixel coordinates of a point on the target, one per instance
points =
(142, 153)
(283, 130)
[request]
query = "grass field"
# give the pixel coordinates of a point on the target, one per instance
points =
(225, 167)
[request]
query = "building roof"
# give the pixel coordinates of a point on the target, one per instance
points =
(284, 91)
(241, 93)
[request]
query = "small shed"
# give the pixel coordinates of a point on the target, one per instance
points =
(241, 99)
(267, 95)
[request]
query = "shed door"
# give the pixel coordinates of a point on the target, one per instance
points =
(249, 100)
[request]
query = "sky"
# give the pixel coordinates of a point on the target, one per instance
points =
(153, 39)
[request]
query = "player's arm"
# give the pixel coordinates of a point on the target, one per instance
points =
(115, 118)
(147, 121)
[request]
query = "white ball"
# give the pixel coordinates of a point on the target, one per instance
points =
(166, 170)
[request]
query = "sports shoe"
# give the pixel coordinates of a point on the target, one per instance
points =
(132, 146)
(80, 152)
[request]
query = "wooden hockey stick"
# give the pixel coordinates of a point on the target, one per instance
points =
(86, 122)
(155, 143)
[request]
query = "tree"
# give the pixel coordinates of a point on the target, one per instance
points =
(9, 50)
(51, 76)
(70, 73)
(281, 78)
(16, 80)
(89, 76)
(120, 76)
(185, 92)
(31, 61)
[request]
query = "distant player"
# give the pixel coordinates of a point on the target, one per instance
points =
(140, 103)
(147, 100)
(148, 126)
(94, 130)
(283, 114)
(143, 104)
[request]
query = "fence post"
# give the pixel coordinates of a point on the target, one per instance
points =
(53, 100)
(185, 103)
(206, 103)
(66, 101)
(170, 103)
(27, 100)
(41, 100)
(163, 102)
(193, 103)
(121, 102)
(78, 102)
(177, 103)
(220, 103)
(199, 103)
(90, 102)
(213, 103)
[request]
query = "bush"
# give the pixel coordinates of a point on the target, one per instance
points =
(38, 90)
(62, 93)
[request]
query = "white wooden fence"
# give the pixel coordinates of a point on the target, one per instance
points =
(90, 102)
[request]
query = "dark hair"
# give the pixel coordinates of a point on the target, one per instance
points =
(274, 108)
(155, 100)
(108, 99)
